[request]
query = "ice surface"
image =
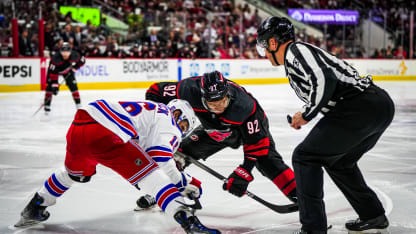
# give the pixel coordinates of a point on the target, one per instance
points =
(31, 148)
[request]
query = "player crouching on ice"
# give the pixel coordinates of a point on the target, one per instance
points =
(135, 139)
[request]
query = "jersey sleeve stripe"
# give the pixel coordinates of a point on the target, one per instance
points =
(155, 87)
(159, 153)
(161, 159)
(284, 178)
(265, 142)
(152, 91)
(229, 121)
(172, 142)
(199, 110)
(250, 158)
(257, 149)
(161, 148)
(54, 76)
(257, 153)
(289, 188)
(121, 121)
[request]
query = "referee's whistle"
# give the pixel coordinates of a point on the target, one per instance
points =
(289, 119)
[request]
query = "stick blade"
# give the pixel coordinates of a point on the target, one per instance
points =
(24, 222)
(288, 208)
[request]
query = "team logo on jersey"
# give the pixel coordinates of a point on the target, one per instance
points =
(138, 162)
(194, 137)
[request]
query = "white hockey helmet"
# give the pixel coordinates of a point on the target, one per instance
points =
(187, 113)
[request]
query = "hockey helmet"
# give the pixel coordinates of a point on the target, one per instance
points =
(279, 28)
(214, 86)
(65, 47)
(187, 113)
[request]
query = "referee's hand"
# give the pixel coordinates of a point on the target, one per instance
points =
(298, 121)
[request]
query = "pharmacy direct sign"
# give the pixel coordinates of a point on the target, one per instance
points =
(324, 16)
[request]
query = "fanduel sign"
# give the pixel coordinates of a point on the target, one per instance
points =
(324, 16)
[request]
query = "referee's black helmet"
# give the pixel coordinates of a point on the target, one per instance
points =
(279, 28)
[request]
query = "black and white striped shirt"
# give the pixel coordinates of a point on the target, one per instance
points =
(319, 78)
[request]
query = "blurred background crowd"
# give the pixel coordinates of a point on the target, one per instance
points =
(191, 28)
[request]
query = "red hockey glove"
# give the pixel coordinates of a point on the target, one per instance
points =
(238, 181)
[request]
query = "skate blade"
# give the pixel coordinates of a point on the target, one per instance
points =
(371, 231)
(26, 223)
(151, 208)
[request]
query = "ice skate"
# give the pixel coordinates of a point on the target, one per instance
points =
(145, 202)
(191, 223)
(301, 231)
(47, 110)
(33, 213)
(377, 225)
(309, 232)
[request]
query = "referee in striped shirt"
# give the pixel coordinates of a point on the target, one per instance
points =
(355, 114)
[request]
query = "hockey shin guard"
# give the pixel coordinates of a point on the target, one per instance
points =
(55, 186)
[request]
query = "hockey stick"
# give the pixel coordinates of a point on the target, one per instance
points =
(277, 208)
(43, 104)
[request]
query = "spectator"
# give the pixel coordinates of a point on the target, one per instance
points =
(103, 28)
(78, 37)
(389, 53)
(153, 36)
(25, 48)
(171, 16)
(95, 52)
(67, 33)
(400, 53)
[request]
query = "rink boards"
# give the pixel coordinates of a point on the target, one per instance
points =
(29, 74)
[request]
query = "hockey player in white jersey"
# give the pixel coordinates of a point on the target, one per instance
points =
(135, 139)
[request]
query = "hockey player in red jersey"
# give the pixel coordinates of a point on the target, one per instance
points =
(230, 117)
(135, 139)
(65, 62)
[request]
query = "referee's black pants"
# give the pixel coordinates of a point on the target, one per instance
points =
(336, 143)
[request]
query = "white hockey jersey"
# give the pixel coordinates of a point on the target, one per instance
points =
(150, 124)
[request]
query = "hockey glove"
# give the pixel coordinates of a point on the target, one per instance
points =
(181, 161)
(238, 181)
(55, 88)
(189, 187)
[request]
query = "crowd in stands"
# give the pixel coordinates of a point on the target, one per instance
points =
(173, 29)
